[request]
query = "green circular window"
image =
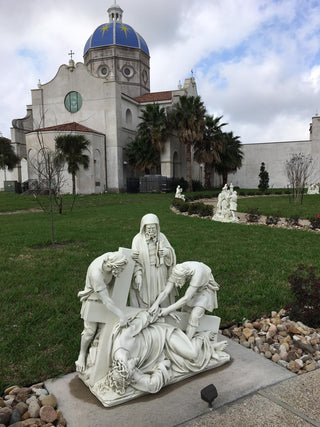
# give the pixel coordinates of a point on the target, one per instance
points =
(73, 102)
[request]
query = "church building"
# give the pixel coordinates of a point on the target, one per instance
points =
(102, 99)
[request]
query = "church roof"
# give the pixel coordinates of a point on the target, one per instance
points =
(68, 127)
(116, 33)
(155, 97)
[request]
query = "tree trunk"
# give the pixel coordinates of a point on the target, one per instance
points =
(73, 183)
(224, 178)
(188, 161)
(207, 176)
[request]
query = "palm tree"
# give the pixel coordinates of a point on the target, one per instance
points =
(70, 150)
(142, 155)
(188, 119)
(154, 125)
(8, 158)
(231, 156)
(208, 151)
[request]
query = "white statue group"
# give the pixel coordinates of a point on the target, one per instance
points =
(226, 205)
(313, 189)
(129, 350)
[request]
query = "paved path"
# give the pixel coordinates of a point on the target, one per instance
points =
(252, 391)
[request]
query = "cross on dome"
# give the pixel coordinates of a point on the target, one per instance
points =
(115, 13)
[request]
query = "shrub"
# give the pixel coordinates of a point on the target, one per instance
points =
(263, 178)
(293, 220)
(315, 222)
(197, 186)
(278, 192)
(206, 210)
(194, 208)
(305, 286)
(180, 205)
(253, 215)
(273, 219)
(242, 193)
(267, 193)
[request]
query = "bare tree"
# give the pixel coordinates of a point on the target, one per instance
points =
(48, 168)
(298, 169)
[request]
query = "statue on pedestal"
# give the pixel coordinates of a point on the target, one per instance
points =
(127, 351)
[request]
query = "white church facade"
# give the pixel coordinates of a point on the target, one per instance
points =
(102, 99)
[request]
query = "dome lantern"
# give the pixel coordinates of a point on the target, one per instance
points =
(115, 13)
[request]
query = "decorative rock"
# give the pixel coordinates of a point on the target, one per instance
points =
(31, 422)
(5, 414)
(292, 355)
(15, 417)
(311, 367)
(48, 414)
(17, 424)
(34, 409)
(9, 389)
(25, 416)
(1, 403)
(268, 354)
(22, 407)
(247, 332)
(245, 344)
(276, 358)
(31, 399)
(49, 400)
(23, 394)
(41, 392)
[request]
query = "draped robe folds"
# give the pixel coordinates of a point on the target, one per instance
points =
(152, 343)
(154, 277)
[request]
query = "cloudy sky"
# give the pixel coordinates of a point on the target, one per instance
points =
(256, 62)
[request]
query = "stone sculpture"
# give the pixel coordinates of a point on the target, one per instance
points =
(127, 351)
(226, 205)
(201, 295)
(179, 194)
(154, 258)
(313, 189)
(100, 274)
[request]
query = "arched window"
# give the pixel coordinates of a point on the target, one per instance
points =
(128, 117)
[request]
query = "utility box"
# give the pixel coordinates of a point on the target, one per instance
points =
(12, 187)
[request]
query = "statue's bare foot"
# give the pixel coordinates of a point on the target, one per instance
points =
(220, 346)
(80, 364)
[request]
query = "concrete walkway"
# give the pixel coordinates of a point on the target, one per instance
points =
(252, 391)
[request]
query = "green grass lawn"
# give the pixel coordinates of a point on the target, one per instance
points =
(270, 205)
(39, 316)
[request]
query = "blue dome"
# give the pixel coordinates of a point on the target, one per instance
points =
(116, 33)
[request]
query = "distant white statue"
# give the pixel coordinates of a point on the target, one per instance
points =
(179, 194)
(226, 205)
(313, 189)
(127, 351)
(154, 258)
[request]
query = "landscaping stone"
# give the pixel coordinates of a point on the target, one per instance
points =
(48, 414)
(30, 407)
(290, 344)
(49, 400)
